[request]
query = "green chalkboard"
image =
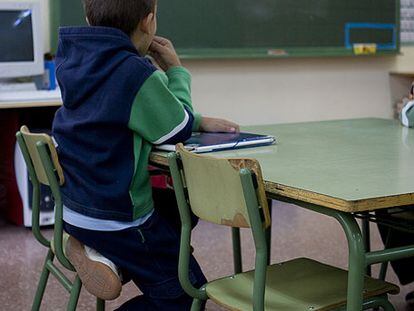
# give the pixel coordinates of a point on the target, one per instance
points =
(265, 28)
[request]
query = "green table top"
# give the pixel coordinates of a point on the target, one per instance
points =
(350, 165)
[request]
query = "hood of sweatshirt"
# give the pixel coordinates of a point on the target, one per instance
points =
(86, 57)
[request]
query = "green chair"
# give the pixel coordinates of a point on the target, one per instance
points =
(231, 192)
(42, 163)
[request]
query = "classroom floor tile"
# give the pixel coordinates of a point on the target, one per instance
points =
(296, 233)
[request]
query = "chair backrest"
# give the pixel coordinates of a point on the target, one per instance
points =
(215, 188)
(31, 140)
(41, 158)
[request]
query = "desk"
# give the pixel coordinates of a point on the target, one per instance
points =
(37, 114)
(337, 168)
(28, 104)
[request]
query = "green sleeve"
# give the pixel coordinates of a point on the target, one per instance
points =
(158, 113)
(179, 82)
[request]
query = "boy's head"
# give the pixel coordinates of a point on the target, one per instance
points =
(136, 18)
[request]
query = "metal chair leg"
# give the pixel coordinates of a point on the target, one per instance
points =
(237, 256)
(74, 294)
(268, 234)
(384, 265)
(387, 306)
(37, 301)
(375, 303)
(197, 304)
(100, 304)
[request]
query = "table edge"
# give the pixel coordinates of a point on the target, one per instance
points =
(349, 206)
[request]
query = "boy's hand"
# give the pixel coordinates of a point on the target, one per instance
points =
(162, 50)
(218, 125)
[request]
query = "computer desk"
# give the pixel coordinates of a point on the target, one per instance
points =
(337, 168)
(29, 104)
(10, 113)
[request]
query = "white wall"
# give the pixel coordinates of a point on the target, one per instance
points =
(299, 89)
(290, 90)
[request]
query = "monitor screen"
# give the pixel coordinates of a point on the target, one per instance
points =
(16, 36)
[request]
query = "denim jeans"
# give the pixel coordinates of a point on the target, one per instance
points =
(147, 255)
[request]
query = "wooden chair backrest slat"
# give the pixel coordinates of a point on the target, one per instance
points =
(31, 139)
(215, 190)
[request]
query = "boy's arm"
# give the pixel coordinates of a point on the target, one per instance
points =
(163, 52)
(176, 76)
(179, 83)
(158, 114)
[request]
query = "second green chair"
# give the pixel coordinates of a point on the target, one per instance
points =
(230, 192)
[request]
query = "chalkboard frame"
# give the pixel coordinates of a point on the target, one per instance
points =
(251, 53)
(271, 53)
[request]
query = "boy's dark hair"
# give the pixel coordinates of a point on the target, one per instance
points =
(122, 14)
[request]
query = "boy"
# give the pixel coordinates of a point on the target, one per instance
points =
(116, 106)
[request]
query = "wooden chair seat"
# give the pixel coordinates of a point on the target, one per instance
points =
(298, 285)
(65, 238)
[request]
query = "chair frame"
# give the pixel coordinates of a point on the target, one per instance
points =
(258, 230)
(51, 167)
(258, 226)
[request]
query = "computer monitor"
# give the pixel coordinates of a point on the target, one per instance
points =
(21, 39)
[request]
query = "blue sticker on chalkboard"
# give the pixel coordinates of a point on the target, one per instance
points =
(380, 46)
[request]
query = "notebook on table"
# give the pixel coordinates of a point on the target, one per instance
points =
(208, 142)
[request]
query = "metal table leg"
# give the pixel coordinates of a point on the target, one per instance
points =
(357, 255)
(367, 241)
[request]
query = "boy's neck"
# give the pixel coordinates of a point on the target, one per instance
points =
(139, 41)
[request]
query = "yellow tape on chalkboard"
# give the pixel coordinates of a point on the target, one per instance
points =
(277, 52)
(365, 48)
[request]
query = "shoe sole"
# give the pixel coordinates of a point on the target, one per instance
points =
(98, 278)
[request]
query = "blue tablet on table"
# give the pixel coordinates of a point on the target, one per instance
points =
(201, 142)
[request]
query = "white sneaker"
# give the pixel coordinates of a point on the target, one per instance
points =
(98, 274)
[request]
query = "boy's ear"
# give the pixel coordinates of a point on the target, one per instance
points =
(146, 23)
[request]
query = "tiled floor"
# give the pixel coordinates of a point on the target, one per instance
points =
(296, 233)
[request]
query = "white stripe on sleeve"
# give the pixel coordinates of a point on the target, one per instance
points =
(176, 130)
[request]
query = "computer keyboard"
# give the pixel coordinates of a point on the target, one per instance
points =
(30, 96)
(17, 86)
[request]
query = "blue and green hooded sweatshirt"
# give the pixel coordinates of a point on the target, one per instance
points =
(116, 106)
